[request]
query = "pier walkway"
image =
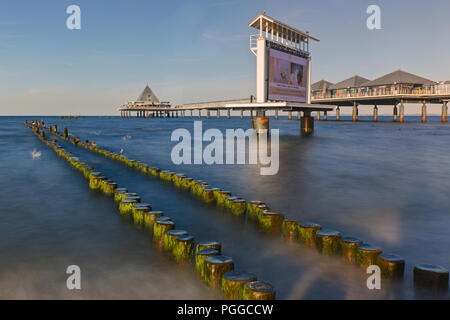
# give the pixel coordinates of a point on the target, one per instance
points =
(394, 89)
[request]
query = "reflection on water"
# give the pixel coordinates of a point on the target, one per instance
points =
(384, 183)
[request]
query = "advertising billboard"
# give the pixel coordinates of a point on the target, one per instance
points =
(287, 77)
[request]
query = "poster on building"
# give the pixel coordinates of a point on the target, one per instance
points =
(287, 77)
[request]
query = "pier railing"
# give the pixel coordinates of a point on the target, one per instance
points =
(384, 93)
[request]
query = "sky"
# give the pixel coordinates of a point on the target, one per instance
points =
(191, 51)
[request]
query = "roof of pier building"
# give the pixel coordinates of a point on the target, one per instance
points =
(321, 85)
(352, 82)
(147, 95)
(398, 77)
(272, 26)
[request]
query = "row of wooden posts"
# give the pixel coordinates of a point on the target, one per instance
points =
(215, 269)
(328, 242)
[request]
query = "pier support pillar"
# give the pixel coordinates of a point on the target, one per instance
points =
(228, 114)
(375, 113)
(318, 115)
(395, 111)
(338, 113)
(218, 114)
(402, 112)
(199, 113)
(444, 112)
(355, 112)
(242, 114)
(325, 115)
(260, 124)
(276, 114)
(208, 114)
(307, 123)
(290, 115)
(299, 115)
(424, 112)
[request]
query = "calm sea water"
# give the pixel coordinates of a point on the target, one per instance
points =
(385, 183)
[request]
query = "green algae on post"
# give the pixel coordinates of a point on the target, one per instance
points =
(95, 180)
(108, 188)
(328, 242)
(259, 210)
(200, 258)
(251, 208)
(119, 194)
(222, 196)
(271, 221)
(239, 207)
(307, 232)
(209, 245)
(214, 269)
(170, 236)
(126, 206)
(229, 201)
(349, 246)
(198, 187)
(289, 229)
(431, 277)
(258, 290)
(233, 283)
(150, 218)
(183, 249)
(366, 255)
(160, 228)
(139, 210)
(208, 194)
(186, 183)
(392, 266)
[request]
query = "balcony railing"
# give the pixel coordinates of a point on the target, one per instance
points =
(381, 93)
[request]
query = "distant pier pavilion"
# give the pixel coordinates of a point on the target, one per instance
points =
(146, 102)
(395, 89)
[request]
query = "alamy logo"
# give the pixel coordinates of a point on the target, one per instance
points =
(189, 149)
(374, 20)
(374, 281)
(73, 22)
(74, 280)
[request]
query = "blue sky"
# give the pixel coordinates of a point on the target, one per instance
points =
(196, 50)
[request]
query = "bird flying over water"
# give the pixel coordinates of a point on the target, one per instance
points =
(35, 154)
